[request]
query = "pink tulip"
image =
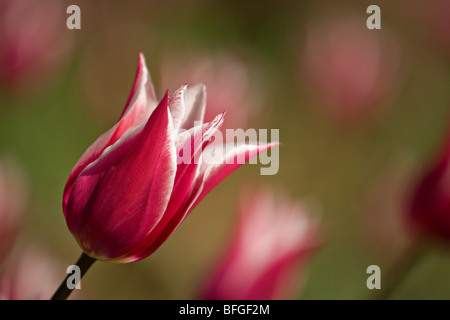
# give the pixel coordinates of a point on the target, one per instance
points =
(350, 69)
(30, 274)
(128, 192)
(272, 240)
(12, 201)
(429, 211)
(228, 81)
(32, 40)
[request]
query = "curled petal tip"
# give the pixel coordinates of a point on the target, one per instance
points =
(141, 62)
(182, 89)
(219, 117)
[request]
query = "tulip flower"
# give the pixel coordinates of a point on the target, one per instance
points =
(12, 201)
(273, 239)
(30, 274)
(429, 211)
(228, 81)
(129, 190)
(32, 40)
(426, 216)
(351, 70)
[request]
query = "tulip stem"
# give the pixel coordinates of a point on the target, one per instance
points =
(84, 263)
(401, 268)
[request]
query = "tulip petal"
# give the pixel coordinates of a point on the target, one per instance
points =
(277, 281)
(212, 174)
(141, 181)
(177, 107)
(141, 102)
(195, 140)
(142, 87)
(207, 178)
(112, 156)
(140, 105)
(195, 101)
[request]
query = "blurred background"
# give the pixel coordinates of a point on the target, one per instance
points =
(360, 112)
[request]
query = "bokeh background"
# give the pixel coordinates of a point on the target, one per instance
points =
(360, 112)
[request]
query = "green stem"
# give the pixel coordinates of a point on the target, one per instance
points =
(403, 266)
(84, 263)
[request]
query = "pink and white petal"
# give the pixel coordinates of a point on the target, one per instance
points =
(141, 184)
(177, 106)
(140, 105)
(90, 155)
(159, 234)
(93, 157)
(142, 87)
(87, 181)
(195, 101)
(280, 278)
(207, 178)
(196, 140)
(234, 156)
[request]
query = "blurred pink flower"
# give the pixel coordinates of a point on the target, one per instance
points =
(12, 202)
(272, 240)
(29, 275)
(227, 79)
(429, 210)
(32, 40)
(351, 69)
(128, 192)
